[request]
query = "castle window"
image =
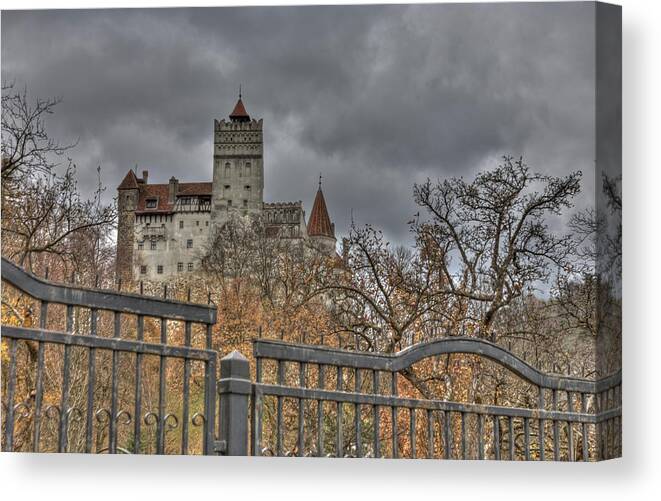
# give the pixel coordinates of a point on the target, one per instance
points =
(229, 203)
(189, 243)
(159, 269)
(245, 203)
(141, 245)
(228, 169)
(180, 266)
(143, 270)
(238, 169)
(190, 266)
(248, 188)
(151, 203)
(248, 169)
(152, 245)
(206, 223)
(181, 224)
(197, 223)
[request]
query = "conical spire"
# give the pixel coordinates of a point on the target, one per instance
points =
(239, 114)
(320, 223)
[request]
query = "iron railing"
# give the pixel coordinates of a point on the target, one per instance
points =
(113, 379)
(584, 425)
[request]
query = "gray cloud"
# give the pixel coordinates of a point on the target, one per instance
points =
(375, 97)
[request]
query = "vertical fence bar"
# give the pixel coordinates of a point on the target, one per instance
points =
(278, 428)
(526, 437)
(541, 431)
(11, 389)
(464, 447)
(186, 389)
(39, 384)
(256, 411)
(91, 381)
(357, 416)
(301, 411)
(556, 430)
(430, 434)
(376, 415)
(412, 431)
(320, 413)
(162, 367)
(393, 411)
(447, 435)
(510, 432)
(570, 429)
(339, 439)
(584, 427)
(480, 436)
(64, 397)
(114, 388)
(137, 411)
(496, 437)
(210, 374)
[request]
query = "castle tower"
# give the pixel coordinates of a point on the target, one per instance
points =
(127, 202)
(320, 228)
(238, 166)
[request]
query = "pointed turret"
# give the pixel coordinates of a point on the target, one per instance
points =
(320, 227)
(239, 114)
(130, 181)
(320, 224)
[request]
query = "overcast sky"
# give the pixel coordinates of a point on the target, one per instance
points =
(374, 97)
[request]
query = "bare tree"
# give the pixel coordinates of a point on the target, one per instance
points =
(491, 237)
(27, 147)
(47, 216)
(43, 213)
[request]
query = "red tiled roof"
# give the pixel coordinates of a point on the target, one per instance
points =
(319, 223)
(130, 182)
(194, 189)
(161, 193)
(239, 111)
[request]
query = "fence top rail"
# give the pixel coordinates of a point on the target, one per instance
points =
(280, 350)
(102, 299)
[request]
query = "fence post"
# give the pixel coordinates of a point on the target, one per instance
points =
(234, 388)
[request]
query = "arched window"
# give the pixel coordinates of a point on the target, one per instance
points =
(228, 169)
(248, 169)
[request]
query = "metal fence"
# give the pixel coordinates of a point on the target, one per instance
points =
(96, 374)
(572, 419)
(117, 372)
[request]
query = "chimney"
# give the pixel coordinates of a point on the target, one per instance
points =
(145, 174)
(172, 189)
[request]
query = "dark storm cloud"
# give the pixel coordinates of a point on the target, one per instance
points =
(375, 97)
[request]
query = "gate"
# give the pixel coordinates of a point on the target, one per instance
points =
(572, 419)
(108, 377)
(101, 383)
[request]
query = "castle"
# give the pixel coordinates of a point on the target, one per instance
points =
(163, 229)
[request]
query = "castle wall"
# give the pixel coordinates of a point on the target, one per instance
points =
(287, 219)
(171, 241)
